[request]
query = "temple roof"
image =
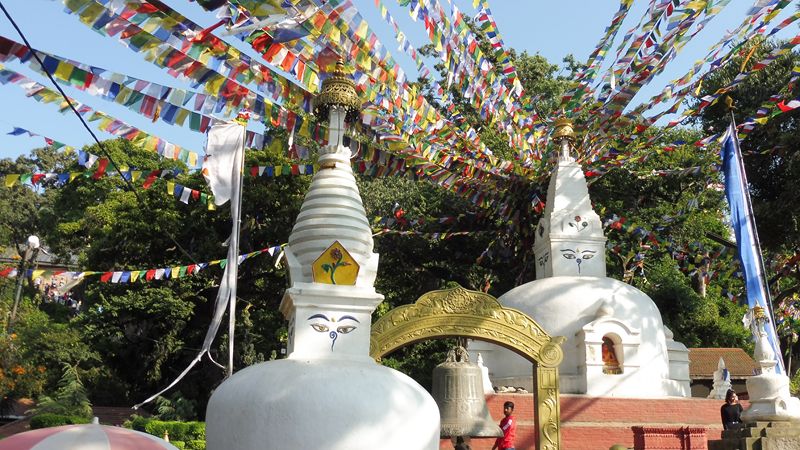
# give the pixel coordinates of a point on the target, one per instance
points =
(703, 362)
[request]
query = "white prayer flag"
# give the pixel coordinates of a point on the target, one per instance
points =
(185, 195)
(222, 164)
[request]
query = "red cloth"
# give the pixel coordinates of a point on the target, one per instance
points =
(509, 427)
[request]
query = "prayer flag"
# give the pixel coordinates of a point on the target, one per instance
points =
(222, 164)
(744, 227)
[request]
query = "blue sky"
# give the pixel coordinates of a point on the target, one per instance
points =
(553, 29)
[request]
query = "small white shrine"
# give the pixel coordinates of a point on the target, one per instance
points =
(770, 399)
(328, 393)
(616, 343)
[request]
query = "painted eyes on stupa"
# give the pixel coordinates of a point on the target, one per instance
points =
(345, 329)
(331, 328)
(319, 327)
(322, 328)
(575, 254)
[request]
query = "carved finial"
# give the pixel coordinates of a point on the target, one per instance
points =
(564, 135)
(338, 90)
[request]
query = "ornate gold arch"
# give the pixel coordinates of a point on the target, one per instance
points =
(459, 312)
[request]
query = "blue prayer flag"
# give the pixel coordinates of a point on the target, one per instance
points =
(743, 224)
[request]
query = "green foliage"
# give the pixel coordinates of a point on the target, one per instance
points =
(794, 384)
(196, 444)
(19, 377)
(47, 420)
(191, 434)
(713, 321)
(70, 399)
(175, 408)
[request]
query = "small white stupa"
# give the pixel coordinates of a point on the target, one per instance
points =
(770, 399)
(328, 393)
(617, 344)
(722, 381)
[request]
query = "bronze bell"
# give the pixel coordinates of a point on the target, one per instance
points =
(458, 390)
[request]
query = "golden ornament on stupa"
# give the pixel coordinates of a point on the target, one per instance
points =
(338, 90)
(564, 130)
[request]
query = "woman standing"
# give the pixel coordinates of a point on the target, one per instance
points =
(731, 411)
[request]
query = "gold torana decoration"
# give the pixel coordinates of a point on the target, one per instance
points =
(564, 130)
(460, 312)
(338, 90)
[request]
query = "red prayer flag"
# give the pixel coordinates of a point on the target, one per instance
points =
(106, 277)
(151, 178)
(101, 168)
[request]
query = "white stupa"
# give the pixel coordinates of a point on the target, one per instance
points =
(617, 344)
(722, 382)
(328, 393)
(770, 398)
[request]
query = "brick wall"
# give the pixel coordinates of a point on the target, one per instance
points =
(598, 423)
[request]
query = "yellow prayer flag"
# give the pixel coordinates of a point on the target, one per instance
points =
(36, 274)
(123, 95)
(170, 187)
(64, 70)
(214, 84)
(180, 117)
(11, 179)
(192, 159)
(73, 175)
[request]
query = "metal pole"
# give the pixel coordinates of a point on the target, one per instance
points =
(18, 293)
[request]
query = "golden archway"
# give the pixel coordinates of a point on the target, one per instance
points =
(459, 312)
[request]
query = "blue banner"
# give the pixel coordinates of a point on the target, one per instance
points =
(744, 226)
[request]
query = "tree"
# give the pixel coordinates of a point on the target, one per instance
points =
(70, 398)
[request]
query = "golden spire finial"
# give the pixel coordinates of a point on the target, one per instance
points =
(564, 130)
(338, 90)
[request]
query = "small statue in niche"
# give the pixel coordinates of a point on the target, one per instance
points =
(610, 362)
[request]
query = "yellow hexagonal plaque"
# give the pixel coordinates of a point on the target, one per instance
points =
(335, 266)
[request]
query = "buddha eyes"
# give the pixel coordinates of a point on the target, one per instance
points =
(570, 254)
(319, 327)
(322, 328)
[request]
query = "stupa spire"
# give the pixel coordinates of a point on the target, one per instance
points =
(569, 238)
(331, 264)
(328, 391)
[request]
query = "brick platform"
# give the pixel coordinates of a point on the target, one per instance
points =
(598, 423)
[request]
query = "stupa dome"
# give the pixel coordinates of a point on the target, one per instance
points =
(306, 404)
(565, 306)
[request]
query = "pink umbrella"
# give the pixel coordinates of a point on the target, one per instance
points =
(84, 437)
